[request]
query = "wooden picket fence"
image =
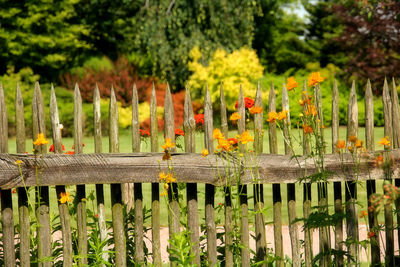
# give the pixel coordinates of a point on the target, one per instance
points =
(120, 170)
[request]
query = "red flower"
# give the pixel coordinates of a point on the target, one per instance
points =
(96, 215)
(199, 118)
(69, 152)
(248, 103)
(144, 133)
(14, 191)
(233, 141)
(179, 132)
(51, 149)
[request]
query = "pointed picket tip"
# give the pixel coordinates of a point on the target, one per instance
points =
(385, 92)
(37, 85)
(96, 92)
(368, 89)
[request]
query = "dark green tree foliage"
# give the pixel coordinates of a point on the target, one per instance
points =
(322, 29)
(371, 38)
(277, 38)
(44, 35)
(167, 30)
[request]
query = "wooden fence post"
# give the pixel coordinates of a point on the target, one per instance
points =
(189, 126)
(62, 207)
(210, 189)
(351, 187)
(370, 184)
(155, 188)
(7, 216)
(388, 129)
(116, 190)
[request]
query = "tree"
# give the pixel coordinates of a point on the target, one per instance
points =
(371, 38)
(167, 30)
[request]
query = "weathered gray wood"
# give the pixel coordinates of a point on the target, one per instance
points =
(261, 242)
(308, 237)
(7, 217)
(116, 191)
(351, 187)
(190, 168)
(138, 192)
(62, 207)
(189, 127)
(291, 189)
(80, 189)
(276, 188)
(23, 208)
(224, 116)
(155, 191)
(388, 129)
(371, 186)
(227, 190)
(210, 189)
(396, 141)
(244, 212)
(98, 148)
(42, 192)
(337, 186)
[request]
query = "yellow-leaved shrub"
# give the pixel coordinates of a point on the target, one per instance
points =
(241, 67)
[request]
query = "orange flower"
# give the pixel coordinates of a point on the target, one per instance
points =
(272, 116)
(69, 152)
(353, 139)
(217, 134)
(282, 115)
(64, 197)
(170, 178)
(307, 129)
(255, 110)
(164, 193)
(311, 110)
(245, 137)
(378, 160)
(363, 213)
(224, 144)
(235, 116)
(371, 234)
(359, 144)
(291, 83)
(384, 141)
(315, 78)
(341, 144)
(168, 144)
(14, 191)
(41, 140)
(162, 176)
(204, 152)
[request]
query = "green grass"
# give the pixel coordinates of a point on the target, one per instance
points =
(126, 147)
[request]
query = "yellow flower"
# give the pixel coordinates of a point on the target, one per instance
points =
(164, 193)
(282, 115)
(170, 178)
(272, 116)
(217, 134)
(363, 213)
(359, 144)
(18, 162)
(204, 152)
(301, 102)
(41, 140)
(245, 137)
(168, 144)
(64, 197)
(255, 110)
(162, 176)
(315, 78)
(291, 83)
(166, 186)
(351, 149)
(384, 141)
(224, 144)
(235, 116)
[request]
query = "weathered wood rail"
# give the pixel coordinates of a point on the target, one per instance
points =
(123, 170)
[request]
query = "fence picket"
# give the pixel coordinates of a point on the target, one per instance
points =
(7, 216)
(155, 189)
(23, 208)
(98, 148)
(370, 184)
(351, 187)
(210, 189)
(388, 129)
(42, 192)
(337, 186)
(258, 188)
(276, 188)
(62, 207)
(227, 189)
(189, 126)
(116, 190)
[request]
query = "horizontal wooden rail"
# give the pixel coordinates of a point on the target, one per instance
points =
(189, 168)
